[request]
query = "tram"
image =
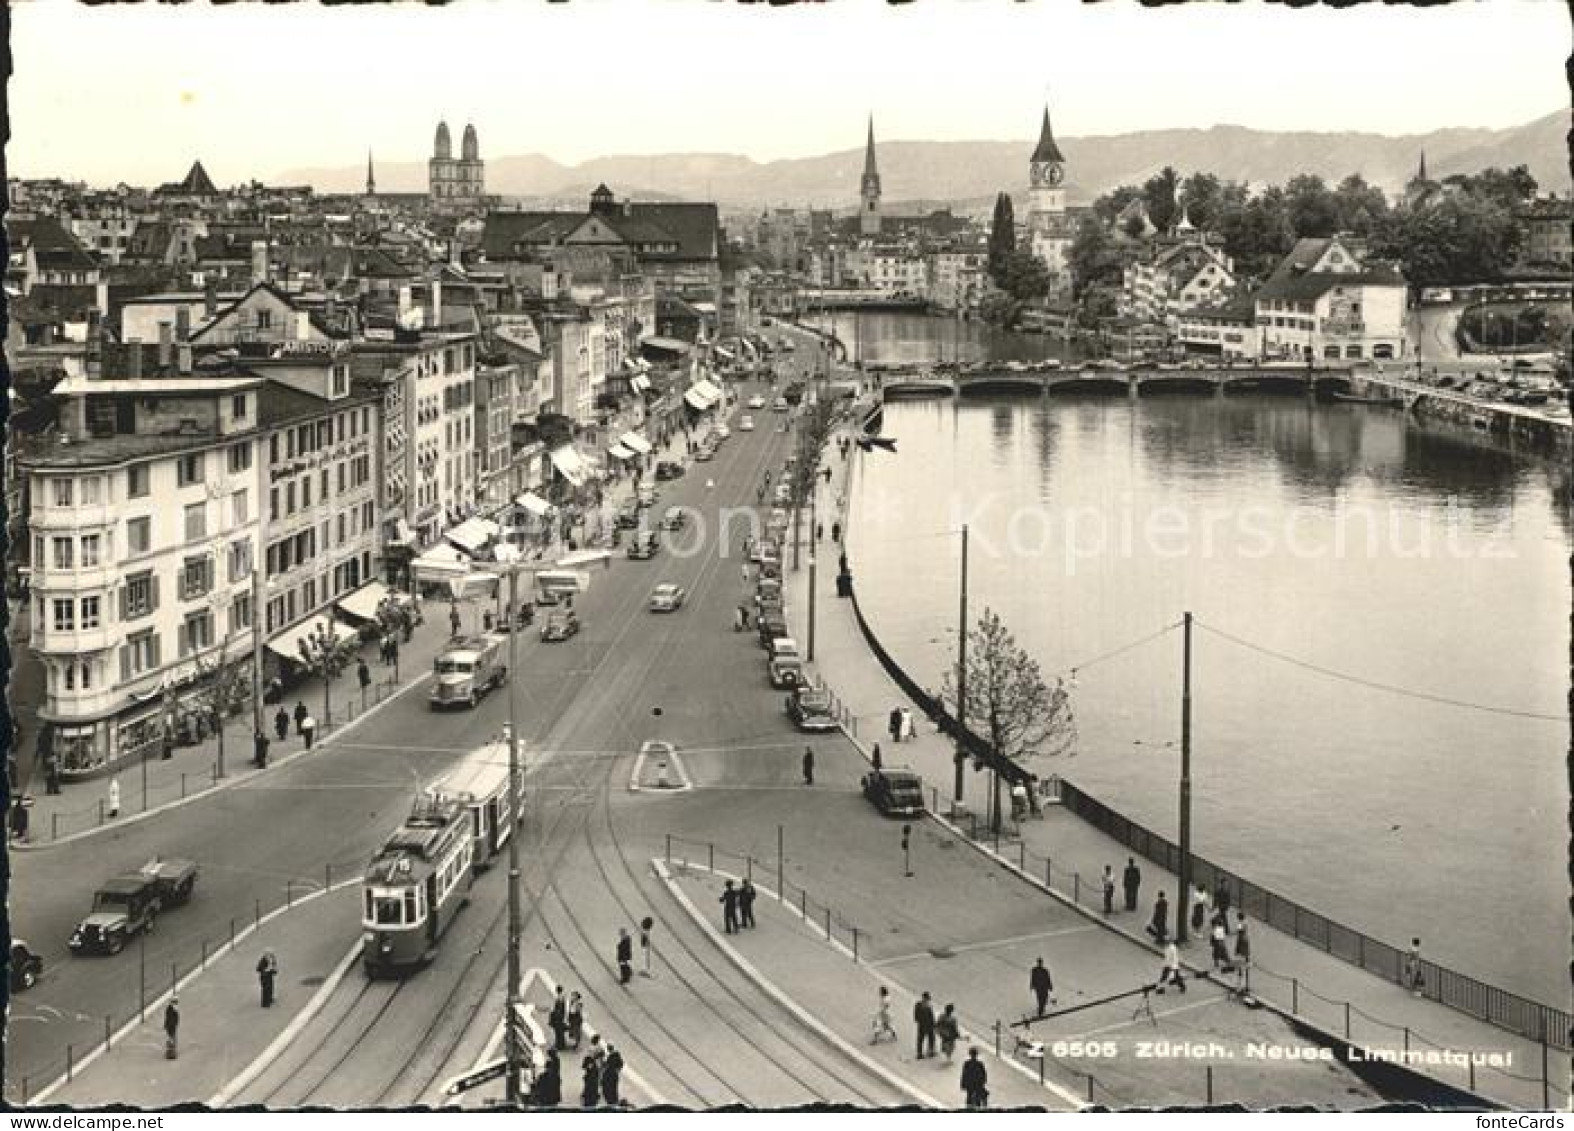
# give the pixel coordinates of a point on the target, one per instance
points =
(415, 885)
(480, 784)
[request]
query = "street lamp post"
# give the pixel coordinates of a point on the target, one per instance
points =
(1185, 789)
(961, 676)
(812, 555)
(515, 1050)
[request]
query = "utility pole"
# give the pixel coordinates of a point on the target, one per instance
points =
(813, 549)
(961, 676)
(256, 642)
(1184, 895)
(514, 1052)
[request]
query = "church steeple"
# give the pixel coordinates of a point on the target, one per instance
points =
(1421, 173)
(371, 181)
(869, 190)
(1047, 150)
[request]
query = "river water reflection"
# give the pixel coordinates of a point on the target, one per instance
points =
(1307, 540)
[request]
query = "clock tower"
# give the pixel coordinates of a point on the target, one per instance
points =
(1049, 228)
(869, 190)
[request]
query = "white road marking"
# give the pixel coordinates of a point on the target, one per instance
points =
(989, 944)
(686, 782)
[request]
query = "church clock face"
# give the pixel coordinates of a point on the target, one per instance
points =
(1054, 174)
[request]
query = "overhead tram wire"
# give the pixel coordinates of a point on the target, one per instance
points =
(1076, 669)
(1375, 685)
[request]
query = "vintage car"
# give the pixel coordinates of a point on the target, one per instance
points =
(667, 598)
(895, 791)
(674, 519)
(666, 469)
(466, 670)
(785, 666)
(770, 627)
(704, 454)
(721, 431)
(756, 402)
(646, 495)
(26, 966)
(627, 517)
(127, 905)
(560, 625)
(643, 544)
(811, 709)
(746, 424)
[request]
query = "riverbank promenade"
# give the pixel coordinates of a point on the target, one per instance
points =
(1290, 976)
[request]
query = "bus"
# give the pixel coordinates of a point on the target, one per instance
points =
(480, 784)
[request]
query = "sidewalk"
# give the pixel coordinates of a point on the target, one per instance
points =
(223, 1027)
(1289, 975)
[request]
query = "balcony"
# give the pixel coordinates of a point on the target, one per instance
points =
(75, 642)
(86, 519)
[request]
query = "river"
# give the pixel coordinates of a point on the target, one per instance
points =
(1382, 613)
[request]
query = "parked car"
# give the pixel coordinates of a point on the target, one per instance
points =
(643, 544)
(721, 431)
(780, 405)
(704, 454)
(647, 495)
(756, 402)
(783, 494)
(785, 667)
(27, 967)
(767, 589)
(769, 628)
(627, 517)
(763, 549)
(126, 905)
(560, 626)
(667, 598)
(674, 519)
(811, 709)
(895, 791)
(746, 424)
(666, 469)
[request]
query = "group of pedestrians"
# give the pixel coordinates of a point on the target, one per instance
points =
(305, 725)
(899, 724)
(601, 1068)
(737, 907)
(1229, 943)
(946, 1030)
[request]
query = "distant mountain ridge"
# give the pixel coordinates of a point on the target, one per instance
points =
(974, 170)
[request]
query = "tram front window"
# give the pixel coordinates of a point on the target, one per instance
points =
(385, 911)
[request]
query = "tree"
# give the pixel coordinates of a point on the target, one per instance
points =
(1109, 206)
(1362, 208)
(1312, 210)
(814, 431)
(1161, 193)
(1201, 196)
(224, 686)
(1008, 702)
(1258, 235)
(325, 657)
(1093, 258)
(1002, 235)
(1462, 238)
(1024, 276)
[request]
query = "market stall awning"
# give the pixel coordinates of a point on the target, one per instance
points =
(570, 466)
(288, 643)
(473, 583)
(362, 604)
(618, 451)
(695, 400)
(534, 503)
(710, 390)
(636, 442)
(639, 383)
(473, 533)
(583, 558)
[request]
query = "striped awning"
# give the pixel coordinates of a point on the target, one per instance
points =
(618, 451)
(636, 442)
(570, 465)
(711, 391)
(534, 503)
(639, 383)
(473, 533)
(696, 400)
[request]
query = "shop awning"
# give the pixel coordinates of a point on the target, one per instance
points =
(288, 643)
(725, 355)
(362, 604)
(636, 442)
(583, 558)
(534, 503)
(639, 383)
(668, 345)
(439, 564)
(695, 400)
(570, 465)
(710, 390)
(618, 451)
(473, 533)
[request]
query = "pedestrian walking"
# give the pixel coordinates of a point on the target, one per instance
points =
(743, 612)
(646, 925)
(948, 1030)
(908, 731)
(548, 1089)
(1159, 925)
(808, 765)
(557, 1020)
(1219, 947)
(746, 896)
(308, 730)
(576, 1020)
(1171, 972)
(1221, 900)
(1042, 985)
(172, 1028)
(1243, 950)
(281, 724)
(1131, 880)
(363, 675)
(729, 908)
(393, 648)
(114, 797)
(300, 716)
(19, 820)
(1109, 889)
(874, 758)
(259, 750)
(52, 774)
(267, 971)
(1199, 907)
(611, 1076)
(819, 532)
(453, 619)
(975, 1081)
(836, 527)
(625, 957)
(881, 1025)
(895, 724)
(590, 1075)
(924, 1019)
(1415, 980)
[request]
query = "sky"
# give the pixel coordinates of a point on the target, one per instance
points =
(135, 92)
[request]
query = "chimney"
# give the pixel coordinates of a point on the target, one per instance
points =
(259, 261)
(164, 339)
(210, 299)
(183, 358)
(182, 324)
(437, 302)
(101, 299)
(303, 325)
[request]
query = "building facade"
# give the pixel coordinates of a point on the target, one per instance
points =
(1323, 303)
(1050, 230)
(456, 183)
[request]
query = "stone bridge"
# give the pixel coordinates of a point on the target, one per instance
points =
(1114, 380)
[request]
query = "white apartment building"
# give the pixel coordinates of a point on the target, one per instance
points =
(1324, 302)
(145, 524)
